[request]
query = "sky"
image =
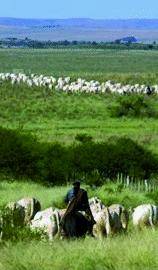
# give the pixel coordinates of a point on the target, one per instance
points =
(97, 9)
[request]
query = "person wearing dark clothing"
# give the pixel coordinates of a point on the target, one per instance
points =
(148, 90)
(83, 204)
(77, 200)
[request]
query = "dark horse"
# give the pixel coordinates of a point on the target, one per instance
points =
(76, 225)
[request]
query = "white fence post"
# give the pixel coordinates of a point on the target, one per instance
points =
(146, 185)
(127, 181)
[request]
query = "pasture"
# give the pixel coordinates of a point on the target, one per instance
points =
(125, 66)
(137, 251)
(134, 250)
(58, 116)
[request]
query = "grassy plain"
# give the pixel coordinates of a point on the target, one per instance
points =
(54, 196)
(58, 116)
(134, 250)
(126, 66)
(53, 116)
(137, 251)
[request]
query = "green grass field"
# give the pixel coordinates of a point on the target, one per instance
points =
(126, 66)
(53, 116)
(54, 196)
(134, 250)
(137, 251)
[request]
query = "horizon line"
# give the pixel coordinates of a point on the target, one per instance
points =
(76, 18)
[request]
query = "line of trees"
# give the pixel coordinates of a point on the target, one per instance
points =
(36, 44)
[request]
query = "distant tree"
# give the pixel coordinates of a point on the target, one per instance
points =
(94, 43)
(150, 46)
(117, 41)
(66, 42)
(74, 42)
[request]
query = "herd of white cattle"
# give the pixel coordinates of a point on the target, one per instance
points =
(80, 85)
(109, 220)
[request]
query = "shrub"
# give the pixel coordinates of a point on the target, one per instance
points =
(83, 157)
(132, 106)
(110, 158)
(19, 153)
(54, 163)
(132, 159)
(153, 196)
(83, 137)
(13, 230)
(57, 164)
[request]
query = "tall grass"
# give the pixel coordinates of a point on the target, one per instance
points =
(54, 196)
(135, 251)
(11, 190)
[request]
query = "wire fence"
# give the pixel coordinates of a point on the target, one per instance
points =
(137, 185)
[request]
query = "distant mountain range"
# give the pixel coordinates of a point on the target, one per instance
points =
(145, 30)
(88, 23)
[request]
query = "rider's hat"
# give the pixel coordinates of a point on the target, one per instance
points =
(76, 183)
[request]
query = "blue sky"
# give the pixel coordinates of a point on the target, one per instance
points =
(100, 9)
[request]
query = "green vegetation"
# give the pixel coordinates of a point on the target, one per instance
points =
(61, 122)
(138, 251)
(128, 43)
(56, 116)
(11, 190)
(57, 164)
(133, 106)
(86, 253)
(54, 196)
(126, 66)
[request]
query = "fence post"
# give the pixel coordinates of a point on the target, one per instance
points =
(146, 185)
(127, 181)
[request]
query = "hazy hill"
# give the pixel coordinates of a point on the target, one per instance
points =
(108, 24)
(79, 29)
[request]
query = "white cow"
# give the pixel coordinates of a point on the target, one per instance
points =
(31, 207)
(109, 220)
(96, 205)
(119, 218)
(145, 215)
(47, 222)
(102, 226)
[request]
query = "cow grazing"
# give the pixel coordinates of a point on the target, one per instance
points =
(109, 220)
(47, 222)
(119, 218)
(102, 227)
(145, 215)
(31, 207)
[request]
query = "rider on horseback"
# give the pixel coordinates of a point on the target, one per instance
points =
(77, 200)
